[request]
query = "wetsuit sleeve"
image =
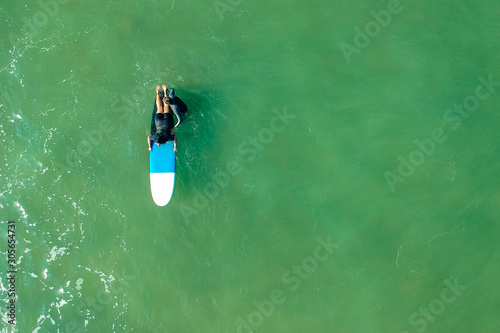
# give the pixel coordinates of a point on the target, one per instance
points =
(177, 113)
(175, 108)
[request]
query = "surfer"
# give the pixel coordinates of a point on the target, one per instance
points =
(163, 120)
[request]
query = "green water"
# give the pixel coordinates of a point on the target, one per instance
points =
(304, 141)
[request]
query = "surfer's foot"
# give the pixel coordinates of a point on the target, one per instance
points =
(158, 89)
(164, 87)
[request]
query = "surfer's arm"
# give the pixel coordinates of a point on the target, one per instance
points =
(149, 142)
(174, 107)
(177, 113)
(175, 144)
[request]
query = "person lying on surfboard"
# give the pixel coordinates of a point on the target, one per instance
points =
(164, 120)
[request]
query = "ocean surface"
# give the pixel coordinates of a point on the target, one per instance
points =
(338, 169)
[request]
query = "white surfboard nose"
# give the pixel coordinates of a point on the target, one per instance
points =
(162, 187)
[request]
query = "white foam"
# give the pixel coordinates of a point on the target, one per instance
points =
(80, 211)
(21, 209)
(55, 251)
(40, 320)
(79, 283)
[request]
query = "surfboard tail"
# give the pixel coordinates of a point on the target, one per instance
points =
(162, 187)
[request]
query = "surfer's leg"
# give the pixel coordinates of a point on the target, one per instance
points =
(159, 103)
(165, 105)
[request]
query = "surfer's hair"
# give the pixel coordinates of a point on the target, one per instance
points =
(162, 136)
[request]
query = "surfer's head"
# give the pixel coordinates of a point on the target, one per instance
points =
(162, 136)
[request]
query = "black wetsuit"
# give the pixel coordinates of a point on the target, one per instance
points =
(164, 123)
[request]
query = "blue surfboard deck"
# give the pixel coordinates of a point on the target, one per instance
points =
(162, 158)
(162, 172)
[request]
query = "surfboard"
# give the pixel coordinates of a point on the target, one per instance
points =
(162, 172)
